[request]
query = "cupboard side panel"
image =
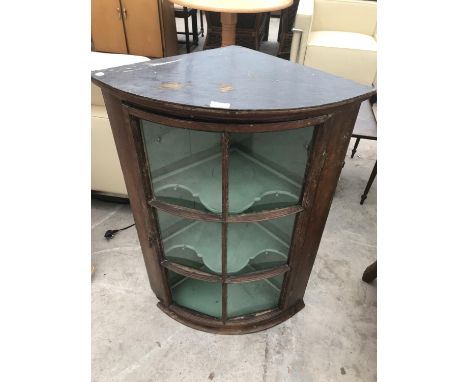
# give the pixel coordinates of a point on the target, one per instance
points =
(331, 146)
(137, 188)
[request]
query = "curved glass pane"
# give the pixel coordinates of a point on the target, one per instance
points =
(185, 166)
(254, 297)
(266, 170)
(258, 245)
(201, 296)
(193, 243)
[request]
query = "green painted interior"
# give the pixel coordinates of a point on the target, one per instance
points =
(198, 243)
(253, 297)
(243, 299)
(283, 152)
(201, 296)
(179, 159)
(266, 172)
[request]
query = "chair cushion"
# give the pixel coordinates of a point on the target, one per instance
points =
(106, 173)
(108, 60)
(345, 54)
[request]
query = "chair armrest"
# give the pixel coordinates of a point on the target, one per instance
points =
(302, 26)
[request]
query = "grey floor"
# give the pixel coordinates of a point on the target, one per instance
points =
(332, 339)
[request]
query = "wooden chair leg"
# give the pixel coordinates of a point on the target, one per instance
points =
(370, 274)
(267, 28)
(202, 28)
(278, 38)
(195, 28)
(369, 183)
(187, 31)
(353, 151)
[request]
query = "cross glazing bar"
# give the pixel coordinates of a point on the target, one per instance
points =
(225, 211)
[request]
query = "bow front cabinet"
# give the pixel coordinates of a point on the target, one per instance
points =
(231, 158)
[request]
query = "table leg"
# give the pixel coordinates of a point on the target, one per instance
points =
(228, 23)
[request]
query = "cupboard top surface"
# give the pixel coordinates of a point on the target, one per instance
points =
(231, 79)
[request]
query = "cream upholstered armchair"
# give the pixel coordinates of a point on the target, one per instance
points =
(106, 173)
(337, 36)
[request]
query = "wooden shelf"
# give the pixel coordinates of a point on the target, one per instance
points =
(263, 245)
(253, 185)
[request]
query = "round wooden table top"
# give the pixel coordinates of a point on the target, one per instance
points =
(235, 6)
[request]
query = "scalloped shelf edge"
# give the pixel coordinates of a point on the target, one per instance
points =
(247, 206)
(265, 251)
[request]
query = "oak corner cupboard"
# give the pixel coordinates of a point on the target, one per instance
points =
(136, 27)
(230, 171)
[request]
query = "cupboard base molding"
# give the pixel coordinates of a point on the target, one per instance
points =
(244, 325)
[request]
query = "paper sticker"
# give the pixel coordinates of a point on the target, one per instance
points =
(221, 105)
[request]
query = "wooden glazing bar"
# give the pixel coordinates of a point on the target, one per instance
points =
(264, 215)
(185, 212)
(259, 275)
(316, 161)
(225, 209)
(190, 272)
(190, 213)
(227, 127)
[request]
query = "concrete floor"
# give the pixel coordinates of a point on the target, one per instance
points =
(332, 339)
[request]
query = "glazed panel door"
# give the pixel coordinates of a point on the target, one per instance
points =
(226, 206)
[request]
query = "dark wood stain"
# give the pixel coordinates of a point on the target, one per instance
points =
(225, 141)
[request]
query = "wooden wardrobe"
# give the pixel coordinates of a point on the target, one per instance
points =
(138, 27)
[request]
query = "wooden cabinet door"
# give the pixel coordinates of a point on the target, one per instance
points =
(107, 29)
(143, 27)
